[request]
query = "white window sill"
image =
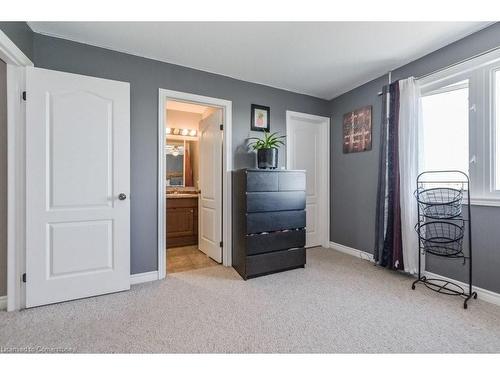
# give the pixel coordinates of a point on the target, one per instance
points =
(492, 202)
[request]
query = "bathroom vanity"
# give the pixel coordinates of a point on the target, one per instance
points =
(182, 219)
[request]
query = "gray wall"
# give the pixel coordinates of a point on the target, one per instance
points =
(355, 175)
(3, 178)
(145, 77)
(20, 33)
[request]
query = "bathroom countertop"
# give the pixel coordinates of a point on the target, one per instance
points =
(182, 195)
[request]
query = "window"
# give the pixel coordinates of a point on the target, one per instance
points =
(445, 133)
(461, 124)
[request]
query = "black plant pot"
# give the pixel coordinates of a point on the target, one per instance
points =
(267, 158)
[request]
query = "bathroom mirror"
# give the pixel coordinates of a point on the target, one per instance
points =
(180, 163)
(174, 153)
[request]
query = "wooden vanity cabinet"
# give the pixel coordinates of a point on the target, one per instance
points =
(182, 222)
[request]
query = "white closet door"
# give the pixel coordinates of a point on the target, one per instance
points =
(78, 185)
(307, 148)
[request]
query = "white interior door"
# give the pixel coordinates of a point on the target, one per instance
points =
(210, 202)
(308, 149)
(77, 166)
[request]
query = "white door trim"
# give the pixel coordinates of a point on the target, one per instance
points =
(16, 62)
(139, 278)
(11, 54)
(227, 166)
(326, 180)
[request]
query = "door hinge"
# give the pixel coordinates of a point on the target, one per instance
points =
(24, 277)
(221, 126)
(220, 244)
(24, 95)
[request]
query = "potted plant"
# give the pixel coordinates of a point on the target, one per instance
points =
(267, 149)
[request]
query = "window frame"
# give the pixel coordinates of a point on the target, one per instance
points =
(480, 72)
(494, 112)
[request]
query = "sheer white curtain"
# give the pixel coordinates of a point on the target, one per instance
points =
(410, 117)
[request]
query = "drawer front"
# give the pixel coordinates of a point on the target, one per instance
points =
(292, 181)
(262, 181)
(274, 262)
(258, 222)
(263, 243)
(276, 201)
(182, 202)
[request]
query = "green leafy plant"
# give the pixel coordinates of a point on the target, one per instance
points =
(270, 140)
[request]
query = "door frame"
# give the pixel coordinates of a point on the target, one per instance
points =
(326, 178)
(227, 167)
(16, 62)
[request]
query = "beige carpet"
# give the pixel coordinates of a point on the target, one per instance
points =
(338, 303)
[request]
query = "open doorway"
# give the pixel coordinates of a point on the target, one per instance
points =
(194, 182)
(193, 179)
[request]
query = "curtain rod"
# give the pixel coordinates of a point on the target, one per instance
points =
(452, 65)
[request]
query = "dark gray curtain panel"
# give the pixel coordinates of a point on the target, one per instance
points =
(381, 210)
(388, 250)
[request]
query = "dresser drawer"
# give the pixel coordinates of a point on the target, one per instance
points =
(273, 262)
(266, 242)
(262, 181)
(258, 222)
(276, 201)
(288, 181)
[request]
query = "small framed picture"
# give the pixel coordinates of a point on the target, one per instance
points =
(260, 118)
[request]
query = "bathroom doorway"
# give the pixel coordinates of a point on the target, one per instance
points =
(193, 180)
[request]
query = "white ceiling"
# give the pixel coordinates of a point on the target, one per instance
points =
(186, 107)
(322, 59)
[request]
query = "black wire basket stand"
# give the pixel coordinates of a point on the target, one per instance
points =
(444, 220)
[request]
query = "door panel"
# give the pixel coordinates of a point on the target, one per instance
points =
(307, 148)
(180, 222)
(69, 257)
(72, 164)
(210, 202)
(77, 162)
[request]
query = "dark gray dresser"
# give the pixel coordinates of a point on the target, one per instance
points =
(269, 221)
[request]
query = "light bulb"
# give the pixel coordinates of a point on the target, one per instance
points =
(192, 133)
(185, 132)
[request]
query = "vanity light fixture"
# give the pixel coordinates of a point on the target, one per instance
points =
(183, 132)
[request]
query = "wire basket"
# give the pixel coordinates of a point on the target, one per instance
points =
(441, 238)
(440, 203)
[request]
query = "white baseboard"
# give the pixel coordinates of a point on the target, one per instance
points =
(3, 302)
(351, 251)
(482, 294)
(144, 277)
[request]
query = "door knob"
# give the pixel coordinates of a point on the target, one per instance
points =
(122, 196)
